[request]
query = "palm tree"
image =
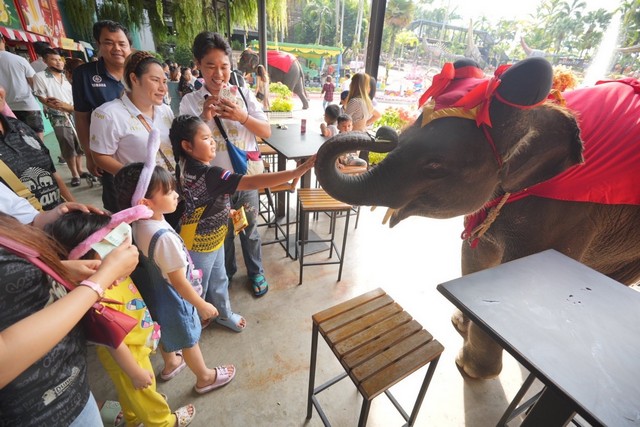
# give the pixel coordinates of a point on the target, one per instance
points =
(566, 22)
(399, 15)
(318, 10)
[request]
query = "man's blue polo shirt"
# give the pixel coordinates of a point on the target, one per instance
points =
(93, 86)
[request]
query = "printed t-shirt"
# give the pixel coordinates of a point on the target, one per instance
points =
(206, 192)
(30, 161)
(53, 390)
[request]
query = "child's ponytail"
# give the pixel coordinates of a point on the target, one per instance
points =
(183, 128)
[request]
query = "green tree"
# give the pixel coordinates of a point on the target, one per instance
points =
(319, 11)
(630, 22)
(399, 14)
(566, 23)
(406, 38)
(595, 23)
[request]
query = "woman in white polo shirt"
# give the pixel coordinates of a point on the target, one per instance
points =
(120, 128)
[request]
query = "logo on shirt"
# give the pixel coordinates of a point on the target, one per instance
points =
(97, 79)
(52, 394)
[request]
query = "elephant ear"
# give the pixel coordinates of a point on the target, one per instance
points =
(526, 83)
(551, 142)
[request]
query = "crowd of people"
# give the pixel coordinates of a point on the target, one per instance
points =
(161, 139)
(176, 154)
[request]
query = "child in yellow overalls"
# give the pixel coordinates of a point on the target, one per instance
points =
(128, 365)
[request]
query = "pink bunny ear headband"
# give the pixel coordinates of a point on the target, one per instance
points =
(149, 165)
(128, 215)
(135, 212)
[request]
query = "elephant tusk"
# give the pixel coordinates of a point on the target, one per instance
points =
(388, 215)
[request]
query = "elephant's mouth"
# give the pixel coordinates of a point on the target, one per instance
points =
(395, 215)
(416, 208)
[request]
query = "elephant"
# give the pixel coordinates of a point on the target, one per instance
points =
(283, 68)
(499, 152)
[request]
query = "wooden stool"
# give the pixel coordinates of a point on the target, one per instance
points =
(312, 200)
(378, 344)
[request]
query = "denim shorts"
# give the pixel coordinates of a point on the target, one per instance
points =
(90, 415)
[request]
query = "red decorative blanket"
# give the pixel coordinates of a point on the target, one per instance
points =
(609, 119)
(280, 60)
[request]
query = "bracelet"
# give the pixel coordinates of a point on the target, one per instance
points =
(93, 285)
(245, 120)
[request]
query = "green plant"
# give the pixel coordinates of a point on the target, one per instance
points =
(396, 118)
(280, 90)
(281, 104)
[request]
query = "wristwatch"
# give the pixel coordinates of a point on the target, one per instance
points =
(93, 285)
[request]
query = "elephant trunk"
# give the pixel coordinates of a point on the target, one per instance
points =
(370, 188)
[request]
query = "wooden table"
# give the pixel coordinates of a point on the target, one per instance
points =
(575, 329)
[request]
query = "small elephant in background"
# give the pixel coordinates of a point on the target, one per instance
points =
(283, 67)
(528, 173)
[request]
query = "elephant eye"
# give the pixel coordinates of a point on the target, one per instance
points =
(433, 169)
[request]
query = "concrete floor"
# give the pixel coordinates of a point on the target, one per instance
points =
(272, 355)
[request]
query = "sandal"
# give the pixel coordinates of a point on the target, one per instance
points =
(183, 417)
(232, 322)
(259, 285)
(75, 181)
(223, 377)
(87, 175)
(111, 414)
(176, 371)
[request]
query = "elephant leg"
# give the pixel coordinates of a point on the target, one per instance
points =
(299, 90)
(480, 356)
(460, 323)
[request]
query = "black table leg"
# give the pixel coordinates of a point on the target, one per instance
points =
(552, 409)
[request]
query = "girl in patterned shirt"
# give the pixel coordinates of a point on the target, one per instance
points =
(206, 191)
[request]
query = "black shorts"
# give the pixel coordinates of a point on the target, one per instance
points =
(33, 119)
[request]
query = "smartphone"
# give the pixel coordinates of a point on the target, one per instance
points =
(228, 92)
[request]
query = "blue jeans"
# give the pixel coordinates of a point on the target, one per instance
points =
(215, 285)
(90, 415)
(249, 238)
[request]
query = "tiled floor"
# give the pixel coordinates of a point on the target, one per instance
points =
(272, 354)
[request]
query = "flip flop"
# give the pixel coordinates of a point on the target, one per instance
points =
(183, 416)
(223, 377)
(111, 414)
(259, 285)
(176, 371)
(232, 322)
